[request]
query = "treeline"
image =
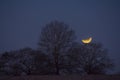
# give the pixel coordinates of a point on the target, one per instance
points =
(58, 53)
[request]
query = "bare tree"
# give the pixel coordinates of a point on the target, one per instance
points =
(94, 59)
(55, 39)
(89, 59)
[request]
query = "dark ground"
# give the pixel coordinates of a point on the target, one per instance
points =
(68, 77)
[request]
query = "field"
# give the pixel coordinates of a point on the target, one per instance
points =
(70, 77)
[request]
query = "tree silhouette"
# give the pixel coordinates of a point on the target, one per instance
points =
(41, 63)
(5, 57)
(94, 59)
(55, 39)
(58, 53)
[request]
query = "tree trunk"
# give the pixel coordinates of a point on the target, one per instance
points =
(56, 62)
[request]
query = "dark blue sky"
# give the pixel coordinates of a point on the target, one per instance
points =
(21, 22)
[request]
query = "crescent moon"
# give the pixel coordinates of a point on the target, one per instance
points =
(88, 40)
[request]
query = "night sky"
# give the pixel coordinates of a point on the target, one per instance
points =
(21, 22)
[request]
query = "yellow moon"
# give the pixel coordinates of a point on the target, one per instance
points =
(88, 40)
